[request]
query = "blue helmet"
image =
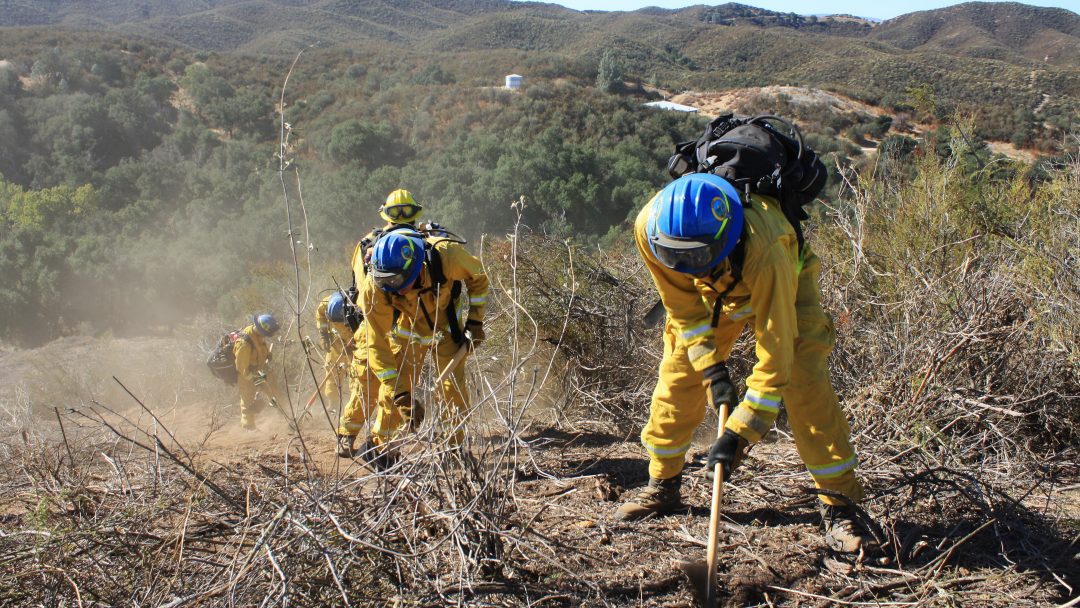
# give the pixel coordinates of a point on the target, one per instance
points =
(695, 222)
(396, 260)
(335, 307)
(265, 324)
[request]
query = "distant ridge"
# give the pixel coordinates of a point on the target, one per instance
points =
(993, 30)
(658, 39)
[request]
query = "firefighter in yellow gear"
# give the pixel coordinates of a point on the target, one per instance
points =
(402, 214)
(412, 300)
(362, 383)
(252, 354)
(336, 340)
(400, 211)
(690, 236)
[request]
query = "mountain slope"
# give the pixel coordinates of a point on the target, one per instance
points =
(996, 58)
(1004, 31)
(991, 30)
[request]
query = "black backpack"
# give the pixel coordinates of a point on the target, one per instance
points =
(755, 156)
(222, 361)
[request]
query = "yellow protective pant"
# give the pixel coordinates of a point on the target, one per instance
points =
(452, 400)
(818, 424)
(337, 366)
(253, 398)
(362, 384)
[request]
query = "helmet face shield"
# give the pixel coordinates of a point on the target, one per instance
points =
(686, 255)
(392, 282)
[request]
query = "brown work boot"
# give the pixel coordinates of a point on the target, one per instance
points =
(345, 446)
(847, 530)
(660, 497)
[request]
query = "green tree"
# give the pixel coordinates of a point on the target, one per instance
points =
(610, 74)
(366, 144)
(204, 87)
(43, 209)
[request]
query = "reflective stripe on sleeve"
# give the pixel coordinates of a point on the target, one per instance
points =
(696, 330)
(386, 374)
(835, 469)
(742, 313)
(762, 401)
(408, 335)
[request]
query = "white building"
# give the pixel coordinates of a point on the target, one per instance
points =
(669, 105)
(513, 81)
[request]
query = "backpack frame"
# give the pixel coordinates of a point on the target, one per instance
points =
(222, 360)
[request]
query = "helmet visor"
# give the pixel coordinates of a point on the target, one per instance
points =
(686, 254)
(392, 281)
(401, 212)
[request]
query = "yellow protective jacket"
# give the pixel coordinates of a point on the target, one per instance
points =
(412, 324)
(252, 353)
(336, 337)
(767, 290)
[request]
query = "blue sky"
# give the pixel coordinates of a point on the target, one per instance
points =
(877, 9)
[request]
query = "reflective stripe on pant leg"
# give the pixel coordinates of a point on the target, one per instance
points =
(678, 406)
(818, 424)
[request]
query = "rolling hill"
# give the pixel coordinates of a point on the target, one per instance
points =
(989, 30)
(966, 51)
(976, 29)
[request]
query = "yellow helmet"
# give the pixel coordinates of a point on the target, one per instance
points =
(400, 208)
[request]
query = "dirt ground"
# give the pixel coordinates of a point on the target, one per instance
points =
(949, 539)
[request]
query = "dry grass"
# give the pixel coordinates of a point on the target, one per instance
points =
(955, 299)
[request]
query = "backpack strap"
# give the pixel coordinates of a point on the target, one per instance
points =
(795, 215)
(736, 259)
(438, 279)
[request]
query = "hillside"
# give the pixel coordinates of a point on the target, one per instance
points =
(987, 56)
(168, 172)
(410, 98)
(990, 30)
(1005, 31)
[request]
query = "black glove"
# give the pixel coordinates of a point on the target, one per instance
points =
(719, 387)
(729, 450)
(476, 332)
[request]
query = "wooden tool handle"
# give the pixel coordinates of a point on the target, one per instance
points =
(714, 512)
(450, 367)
